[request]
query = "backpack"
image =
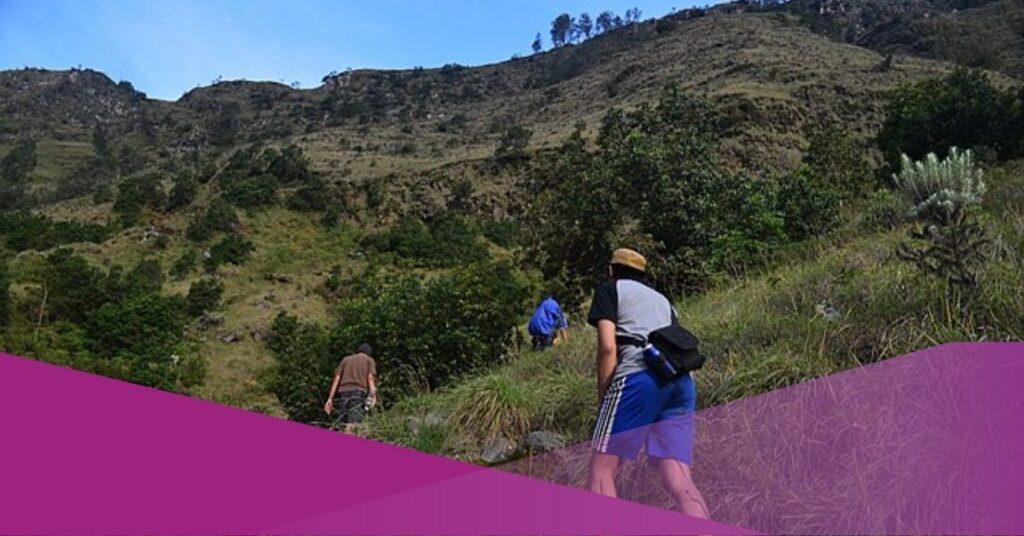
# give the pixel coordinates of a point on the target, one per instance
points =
(679, 348)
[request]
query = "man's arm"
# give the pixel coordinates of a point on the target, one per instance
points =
(371, 381)
(329, 405)
(607, 357)
(563, 325)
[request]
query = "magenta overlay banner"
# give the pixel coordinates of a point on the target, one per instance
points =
(928, 443)
(82, 454)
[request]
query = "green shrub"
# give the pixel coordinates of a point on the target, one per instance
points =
(203, 296)
(73, 286)
(665, 25)
(14, 169)
(146, 277)
(185, 263)
(884, 211)
(137, 193)
(313, 196)
(456, 241)
(303, 367)
(504, 233)
(254, 192)
(737, 252)
(428, 333)
(752, 224)
(115, 323)
(231, 249)
(103, 194)
(807, 204)
(254, 174)
(290, 165)
(219, 217)
(331, 217)
(183, 192)
(68, 344)
(446, 242)
(146, 327)
(424, 333)
(84, 179)
(409, 238)
(963, 109)
(655, 182)
(838, 163)
(657, 165)
(18, 162)
(513, 143)
(24, 231)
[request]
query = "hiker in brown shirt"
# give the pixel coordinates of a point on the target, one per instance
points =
(355, 383)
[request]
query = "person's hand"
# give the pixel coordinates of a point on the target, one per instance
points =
(328, 407)
(371, 401)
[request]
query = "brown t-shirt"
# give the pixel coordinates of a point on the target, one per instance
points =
(355, 371)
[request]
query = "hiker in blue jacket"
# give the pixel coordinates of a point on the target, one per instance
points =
(548, 326)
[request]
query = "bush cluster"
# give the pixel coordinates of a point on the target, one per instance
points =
(137, 193)
(254, 175)
(14, 170)
(203, 296)
(24, 231)
(185, 263)
(425, 333)
(232, 249)
(654, 182)
(116, 323)
(963, 109)
(444, 242)
(183, 192)
(219, 217)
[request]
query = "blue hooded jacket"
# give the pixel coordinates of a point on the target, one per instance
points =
(547, 318)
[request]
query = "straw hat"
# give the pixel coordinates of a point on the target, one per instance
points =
(629, 258)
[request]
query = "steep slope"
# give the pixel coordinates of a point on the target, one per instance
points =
(774, 79)
(421, 135)
(986, 34)
(840, 303)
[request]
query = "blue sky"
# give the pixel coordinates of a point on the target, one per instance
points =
(166, 48)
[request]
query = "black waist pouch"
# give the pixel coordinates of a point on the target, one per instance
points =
(679, 347)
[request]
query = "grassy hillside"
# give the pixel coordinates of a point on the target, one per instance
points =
(841, 302)
(975, 33)
(774, 77)
(422, 142)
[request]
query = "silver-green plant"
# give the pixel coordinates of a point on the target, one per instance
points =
(941, 191)
(949, 242)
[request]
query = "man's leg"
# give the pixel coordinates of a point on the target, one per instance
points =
(679, 482)
(346, 406)
(602, 473)
(671, 445)
(620, 430)
(356, 412)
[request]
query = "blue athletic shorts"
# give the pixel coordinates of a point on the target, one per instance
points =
(640, 409)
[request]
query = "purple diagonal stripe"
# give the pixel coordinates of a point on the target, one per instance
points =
(928, 443)
(493, 502)
(82, 454)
